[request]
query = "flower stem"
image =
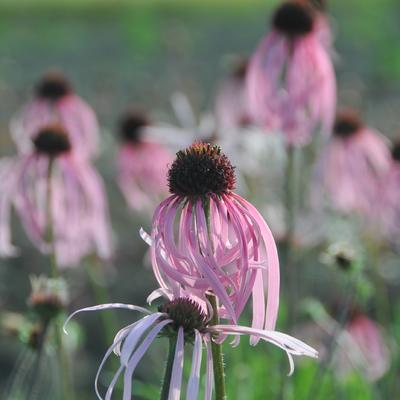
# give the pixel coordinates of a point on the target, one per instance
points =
(290, 268)
(317, 382)
(218, 358)
(54, 272)
(168, 368)
(50, 222)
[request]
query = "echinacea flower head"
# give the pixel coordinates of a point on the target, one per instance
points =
(291, 84)
(183, 320)
(55, 102)
(52, 185)
(205, 238)
(351, 166)
(142, 164)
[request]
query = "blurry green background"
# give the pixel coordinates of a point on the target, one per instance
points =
(118, 53)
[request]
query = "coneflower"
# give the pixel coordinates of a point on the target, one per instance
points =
(291, 83)
(182, 320)
(351, 167)
(142, 164)
(207, 239)
(59, 199)
(55, 102)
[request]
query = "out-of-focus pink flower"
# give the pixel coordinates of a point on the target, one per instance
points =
(291, 83)
(54, 102)
(367, 349)
(186, 320)
(78, 211)
(351, 166)
(231, 108)
(359, 345)
(233, 253)
(389, 198)
(142, 165)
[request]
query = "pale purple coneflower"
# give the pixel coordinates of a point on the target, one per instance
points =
(142, 164)
(183, 320)
(221, 244)
(351, 166)
(77, 217)
(291, 83)
(55, 102)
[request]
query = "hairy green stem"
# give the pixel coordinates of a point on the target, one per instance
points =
(217, 355)
(168, 368)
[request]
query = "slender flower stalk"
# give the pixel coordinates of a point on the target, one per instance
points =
(291, 84)
(344, 312)
(291, 270)
(231, 254)
(218, 358)
(185, 320)
(64, 364)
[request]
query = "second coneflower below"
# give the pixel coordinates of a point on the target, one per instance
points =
(183, 320)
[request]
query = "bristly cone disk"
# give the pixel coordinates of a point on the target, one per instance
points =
(347, 123)
(52, 140)
(294, 18)
(53, 86)
(131, 126)
(201, 170)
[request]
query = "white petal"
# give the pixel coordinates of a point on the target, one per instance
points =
(146, 237)
(105, 307)
(194, 379)
(177, 368)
